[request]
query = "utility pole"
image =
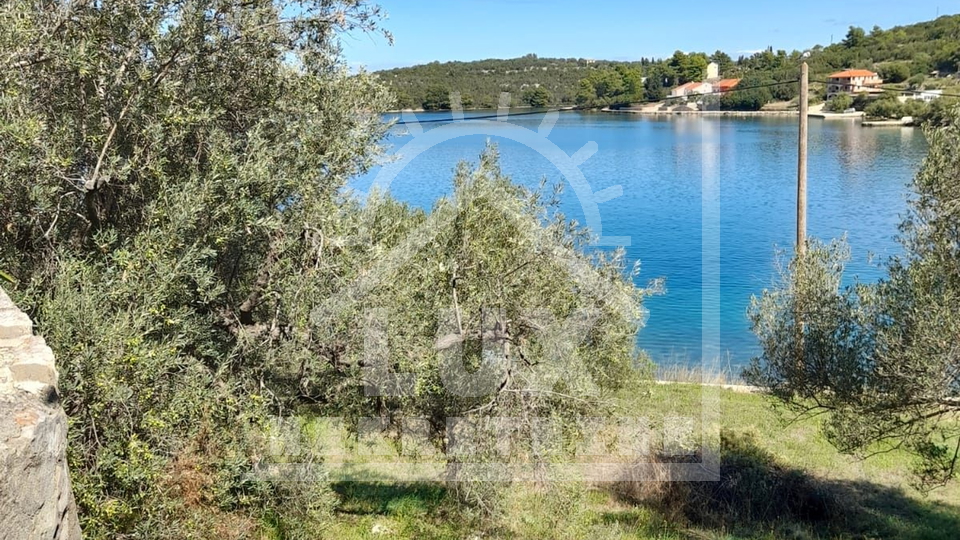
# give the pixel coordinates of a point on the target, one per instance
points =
(802, 161)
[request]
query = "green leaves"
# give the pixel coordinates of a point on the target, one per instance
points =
(482, 260)
(880, 359)
(538, 97)
(610, 86)
(163, 168)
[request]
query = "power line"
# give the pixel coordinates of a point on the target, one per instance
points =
(725, 92)
(594, 107)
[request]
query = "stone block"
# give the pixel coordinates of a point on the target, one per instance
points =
(14, 324)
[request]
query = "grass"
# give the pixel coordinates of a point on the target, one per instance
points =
(697, 375)
(852, 498)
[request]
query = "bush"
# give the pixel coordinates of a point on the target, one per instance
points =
(159, 183)
(839, 103)
(878, 360)
(862, 100)
(938, 112)
(894, 72)
(437, 98)
(545, 328)
(538, 97)
(751, 99)
(887, 107)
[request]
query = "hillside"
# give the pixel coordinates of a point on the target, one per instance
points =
(481, 82)
(898, 53)
(903, 54)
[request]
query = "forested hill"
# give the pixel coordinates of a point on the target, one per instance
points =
(900, 54)
(481, 82)
(919, 48)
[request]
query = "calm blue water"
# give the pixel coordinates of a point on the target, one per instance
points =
(858, 186)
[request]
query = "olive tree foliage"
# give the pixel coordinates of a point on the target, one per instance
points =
(173, 216)
(490, 306)
(882, 361)
(165, 169)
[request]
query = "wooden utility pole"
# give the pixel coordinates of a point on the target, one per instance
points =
(802, 161)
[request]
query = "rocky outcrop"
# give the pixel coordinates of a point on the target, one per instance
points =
(35, 497)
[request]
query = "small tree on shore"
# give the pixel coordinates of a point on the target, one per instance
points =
(495, 312)
(538, 97)
(839, 103)
(437, 99)
(881, 361)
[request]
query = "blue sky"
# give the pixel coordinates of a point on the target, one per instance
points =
(427, 30)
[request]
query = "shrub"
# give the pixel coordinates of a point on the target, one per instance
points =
(499, 314)
(887, 107)
(839, 103)
(160, 181)
(879, 360)
(894, 72)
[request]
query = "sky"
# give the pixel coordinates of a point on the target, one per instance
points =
(446, 30)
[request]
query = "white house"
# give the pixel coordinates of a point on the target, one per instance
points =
(928, 95)
(853, 81)
(691, 89)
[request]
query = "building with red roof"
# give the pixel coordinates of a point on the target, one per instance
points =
(691, 88)
(726, 85)
(853, 81)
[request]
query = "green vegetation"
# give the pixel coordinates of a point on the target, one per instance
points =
(436, 98)
(839, 103)
(537, 98)
(878, 360)
(684, 68)
(173, 219)
(894, 72)
(889, 106)
(751, 99)
(165, 177)
(903, 54)
(485, 80)
(498, 314)
(820, 494)
(619, 85)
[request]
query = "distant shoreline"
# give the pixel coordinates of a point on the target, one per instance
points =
(701, 113)
(477, 109)
(622, 111)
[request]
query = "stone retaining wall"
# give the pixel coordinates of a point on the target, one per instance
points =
(36, 501)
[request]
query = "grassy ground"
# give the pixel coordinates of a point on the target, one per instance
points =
(851, 498)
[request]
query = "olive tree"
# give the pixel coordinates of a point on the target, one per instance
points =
(487, 307)
(164, 169)
(881, 361)
(173, 216)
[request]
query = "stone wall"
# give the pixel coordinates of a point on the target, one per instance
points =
(35, 497)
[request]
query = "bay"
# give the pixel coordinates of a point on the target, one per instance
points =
(858, 187)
